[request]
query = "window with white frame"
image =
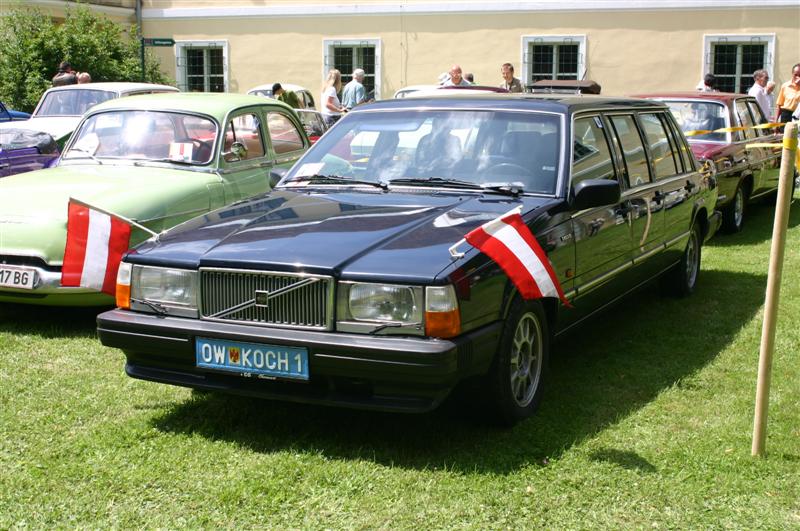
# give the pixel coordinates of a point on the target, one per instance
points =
(733, 59)
(202, 66)
(553, 57)
(346, 55)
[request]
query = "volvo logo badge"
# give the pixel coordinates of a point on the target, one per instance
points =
(262, 299)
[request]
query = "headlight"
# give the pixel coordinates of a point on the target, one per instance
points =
(161, 286)
(387, 303)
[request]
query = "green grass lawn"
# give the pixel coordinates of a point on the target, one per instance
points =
(646, 423)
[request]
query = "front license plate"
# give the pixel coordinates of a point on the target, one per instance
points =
(17, 277)
(252, 359)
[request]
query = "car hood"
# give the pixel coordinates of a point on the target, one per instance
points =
(403, 237)
(33, 205)
(58, 126)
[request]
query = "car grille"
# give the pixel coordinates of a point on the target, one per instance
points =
(270, 298)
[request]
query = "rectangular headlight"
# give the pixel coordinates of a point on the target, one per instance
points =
(382, 303)
(164, 286)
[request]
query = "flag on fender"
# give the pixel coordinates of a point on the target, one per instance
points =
(96, 241)
(508, 241)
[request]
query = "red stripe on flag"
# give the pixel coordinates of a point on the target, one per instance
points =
(75, 249)
(507, 260)
(118, 243)
(522, 229)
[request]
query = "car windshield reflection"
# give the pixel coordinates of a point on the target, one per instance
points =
(694, 117)
(145, 136)
(418, 148)
(72, 102)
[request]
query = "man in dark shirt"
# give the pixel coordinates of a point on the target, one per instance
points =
(286, 96)
(65, 76)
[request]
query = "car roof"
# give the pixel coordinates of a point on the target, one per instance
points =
(694, 95)
(286, 86)
(456, 99)
(118, 87)
(213, 104)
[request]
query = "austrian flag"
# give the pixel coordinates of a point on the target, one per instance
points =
(508, 241)
(96, 242)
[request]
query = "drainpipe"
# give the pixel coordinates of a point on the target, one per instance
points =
(139, 33)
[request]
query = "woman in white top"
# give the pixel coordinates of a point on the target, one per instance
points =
(331, 106)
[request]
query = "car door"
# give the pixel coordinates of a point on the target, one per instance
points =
(765, 162)
(643, 197)
(4, 164)
(246, 158)
(602, 234)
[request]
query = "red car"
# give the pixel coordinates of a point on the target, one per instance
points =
(719, 126)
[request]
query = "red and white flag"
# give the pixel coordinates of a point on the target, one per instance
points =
(96, 241)
(508, 241)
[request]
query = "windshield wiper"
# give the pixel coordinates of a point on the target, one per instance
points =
(505, 188)
(139, 162)
(437, 181)
(91, 155)
(338, 179)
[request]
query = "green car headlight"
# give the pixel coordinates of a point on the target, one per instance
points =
(164, 286)
(380, 302)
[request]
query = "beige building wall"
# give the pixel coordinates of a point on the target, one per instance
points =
(627, 51)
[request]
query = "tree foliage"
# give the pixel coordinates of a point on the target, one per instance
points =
(33, 45)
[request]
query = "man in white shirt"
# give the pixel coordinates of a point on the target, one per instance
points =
(760, 93)
(354, 92)
(456, 78)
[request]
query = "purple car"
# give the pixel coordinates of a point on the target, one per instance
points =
(24, 150)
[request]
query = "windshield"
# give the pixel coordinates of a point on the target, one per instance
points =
(697, 116)
(485, 148)
(145, 135)
(72, 102)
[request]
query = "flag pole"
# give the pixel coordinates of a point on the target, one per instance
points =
(112, 214)
(454, 254)
(773, 287)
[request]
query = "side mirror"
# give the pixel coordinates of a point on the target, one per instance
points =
(238, 152)
(591, 193)
(276, 175)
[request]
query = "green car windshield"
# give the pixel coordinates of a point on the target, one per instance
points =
(481, 148)
(145, 136)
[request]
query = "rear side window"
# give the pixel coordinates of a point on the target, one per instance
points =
(745, 120)
(283, 133)
(245, 129)
(758, 116)
(633, 154)
(591, 156)
(662, 150)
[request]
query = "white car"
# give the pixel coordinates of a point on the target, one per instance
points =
(60, 108)
(303, 94)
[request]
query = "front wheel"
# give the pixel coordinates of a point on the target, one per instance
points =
(519, 367)
(733, 214)
(682, 280)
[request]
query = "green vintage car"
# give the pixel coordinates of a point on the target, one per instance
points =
(158, 160)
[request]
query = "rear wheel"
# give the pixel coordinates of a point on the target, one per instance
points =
(518, 369)
(733, 214)
(682, 280)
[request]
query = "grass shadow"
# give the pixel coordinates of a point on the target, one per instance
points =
(760, 217)
(602, 373)
(48, 321)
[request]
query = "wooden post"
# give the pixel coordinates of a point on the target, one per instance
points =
(773, 287)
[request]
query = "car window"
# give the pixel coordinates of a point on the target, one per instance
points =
(694, 117)
(591, 155)
(246, 130)
(745, 120)
(481, 147)
(758, 117)
(661, 150)
(144, 135)
(284, 134)
(72, 102)
(632, 149)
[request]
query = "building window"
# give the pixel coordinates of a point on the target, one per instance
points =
(202, 66)
(553, 57)
(347, 55)
(733, 59)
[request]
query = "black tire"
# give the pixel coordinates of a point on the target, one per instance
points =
(518, 370)
(733, 214)
(682, 280)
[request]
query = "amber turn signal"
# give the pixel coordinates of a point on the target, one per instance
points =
(443, 324)
(123, 290)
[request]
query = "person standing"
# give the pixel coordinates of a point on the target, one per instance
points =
(510, 83)
(788, 97)
(286, 96)
(354, 92)
(332, 108)
(456, 78)
(708, 84)
(84, 77)
(759, 91)
(65, 76)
